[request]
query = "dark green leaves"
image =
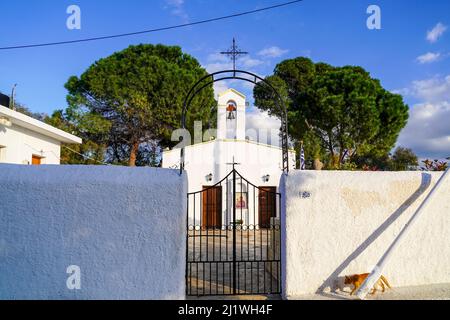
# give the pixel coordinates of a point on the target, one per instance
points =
(347, 111)
(140, 92)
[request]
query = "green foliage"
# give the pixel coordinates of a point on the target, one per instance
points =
(25, 110)
(136, 96)
(351, 166)
(89, 152)
(403, 159)
(371, 161)
(348, 111)
(313, 151)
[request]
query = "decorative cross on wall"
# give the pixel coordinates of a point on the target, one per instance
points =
(234, 52)
(234, 163)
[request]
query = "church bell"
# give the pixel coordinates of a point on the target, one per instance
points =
(231, 109)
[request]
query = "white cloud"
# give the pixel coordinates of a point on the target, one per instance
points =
(403, 91)
(219, 87)
(217, 66)
(175, 2)
(177, 8)
(217, 57)
(249, 62)
(272, 52)
(436, 89)
(244, 87)
(217, 62)
(428, 57)
(434, 34)
(260, 119)
(262, 127)
(428, 130)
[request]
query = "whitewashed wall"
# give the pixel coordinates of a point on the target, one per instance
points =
(124, 227)
(20, 144)
(340, 223)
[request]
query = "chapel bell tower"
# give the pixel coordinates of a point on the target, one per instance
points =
(231, 115)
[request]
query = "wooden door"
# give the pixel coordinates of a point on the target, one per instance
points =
(266, 206)
(35, 160)
(212, 207)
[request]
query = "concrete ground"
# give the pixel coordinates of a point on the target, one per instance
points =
(241, 297)
(429, 292)
(210, 254)
(210, 264)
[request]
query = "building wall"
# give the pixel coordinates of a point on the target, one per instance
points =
(340, 223)
(17, 145)
(124, 227)
(215, 157)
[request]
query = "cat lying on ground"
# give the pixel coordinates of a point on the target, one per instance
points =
(357, 280)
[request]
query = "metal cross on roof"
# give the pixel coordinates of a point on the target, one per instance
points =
(233, 53)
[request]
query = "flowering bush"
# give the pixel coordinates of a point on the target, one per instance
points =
(434, 165)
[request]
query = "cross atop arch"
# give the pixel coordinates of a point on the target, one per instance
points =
(234, 52)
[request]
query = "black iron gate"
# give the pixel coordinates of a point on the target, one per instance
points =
(233, 239)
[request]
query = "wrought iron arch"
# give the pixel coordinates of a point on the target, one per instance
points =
(238, 75)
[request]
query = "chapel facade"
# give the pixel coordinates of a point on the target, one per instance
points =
(208, 166)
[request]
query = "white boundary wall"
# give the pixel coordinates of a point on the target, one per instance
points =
(124, 227)
(339, 223)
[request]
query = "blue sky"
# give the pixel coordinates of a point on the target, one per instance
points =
(399, 54)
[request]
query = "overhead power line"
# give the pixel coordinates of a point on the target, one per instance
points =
(85, 156)
(178, 26)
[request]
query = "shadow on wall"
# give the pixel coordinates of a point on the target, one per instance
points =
(331, 281)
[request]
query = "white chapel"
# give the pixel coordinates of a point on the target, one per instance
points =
(208, 163)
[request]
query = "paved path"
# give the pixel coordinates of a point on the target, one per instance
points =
(428, 292)
(210, 256)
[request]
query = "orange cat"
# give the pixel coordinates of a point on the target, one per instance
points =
(358, 279)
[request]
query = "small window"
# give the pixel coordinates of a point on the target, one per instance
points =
(36, 160)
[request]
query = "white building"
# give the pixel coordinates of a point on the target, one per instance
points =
(24, 140)
(208, 163)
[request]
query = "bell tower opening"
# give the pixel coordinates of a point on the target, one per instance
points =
(231, 115)
(231, 119)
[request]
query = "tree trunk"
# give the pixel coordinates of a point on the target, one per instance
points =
(318, 165)
(133, 154)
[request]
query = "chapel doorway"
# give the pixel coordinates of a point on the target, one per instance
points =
(212, 207)
(266, 206)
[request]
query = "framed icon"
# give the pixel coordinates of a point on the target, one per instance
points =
(241, 200)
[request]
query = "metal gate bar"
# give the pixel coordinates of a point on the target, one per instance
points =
(229, 250)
